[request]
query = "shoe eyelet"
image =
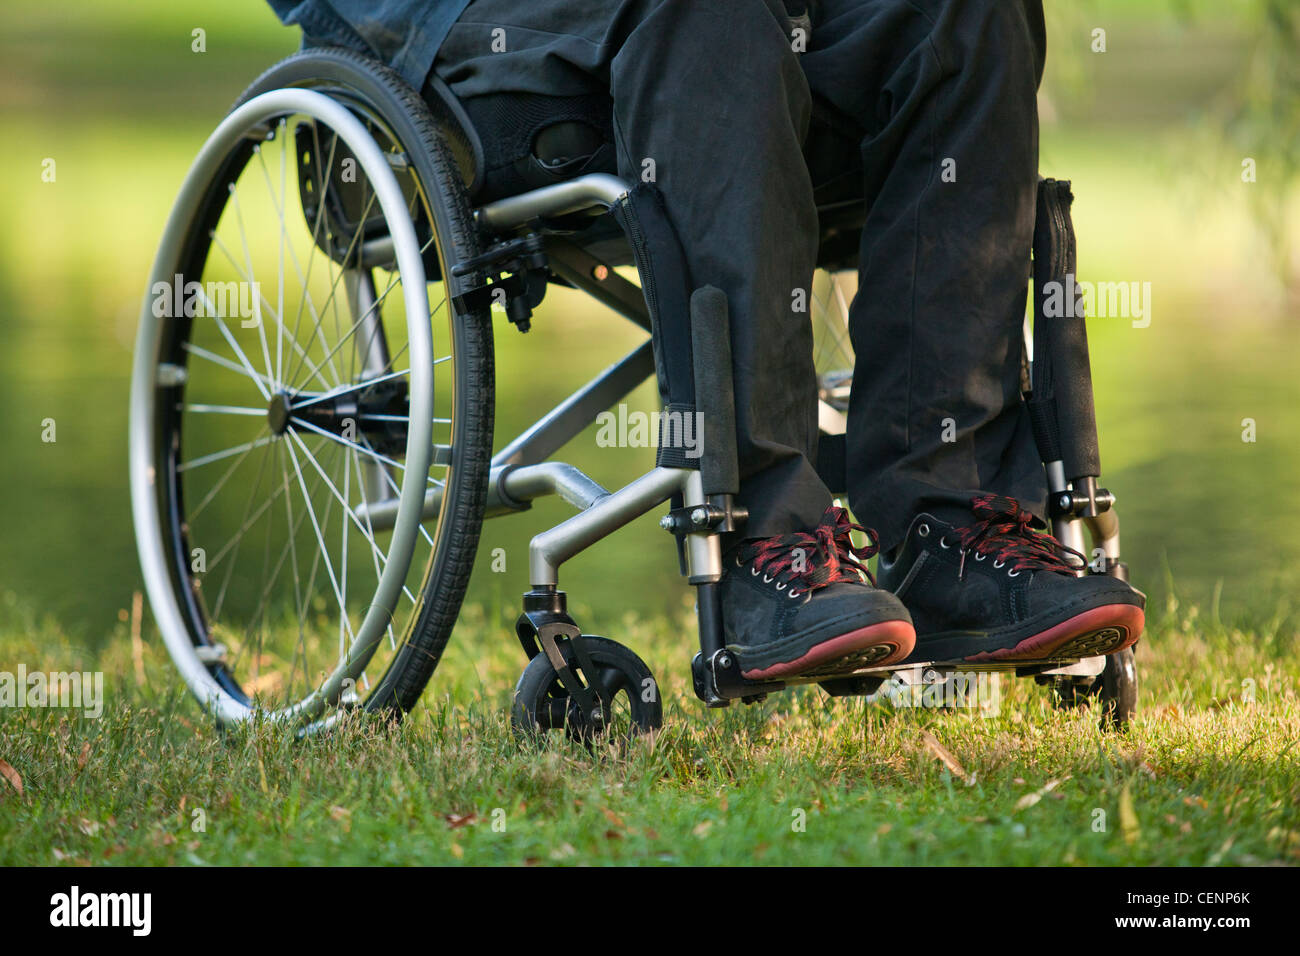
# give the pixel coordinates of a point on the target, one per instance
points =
(793, 594)
(754, 571)
(943, 543)
(780, 586)
(766, 579)
(923, 531)
(1013, 574)
(979, 556)
(738, 562)
(999, 564)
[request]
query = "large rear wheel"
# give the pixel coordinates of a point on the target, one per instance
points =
(310, 416)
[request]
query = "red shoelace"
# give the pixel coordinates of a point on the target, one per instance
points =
(812, 560)
(1002, 532)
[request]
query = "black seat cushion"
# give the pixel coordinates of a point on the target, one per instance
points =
(530, 141)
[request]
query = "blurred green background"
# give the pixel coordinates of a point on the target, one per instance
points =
(1153, 132)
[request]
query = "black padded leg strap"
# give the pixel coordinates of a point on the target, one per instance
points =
(1061, 407)
(666, 284)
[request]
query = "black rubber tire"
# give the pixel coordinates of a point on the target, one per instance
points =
(1118, 689)
(1114, 690)
(367, 85)
(620, 670)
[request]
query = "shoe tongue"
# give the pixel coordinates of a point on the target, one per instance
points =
(993, 507)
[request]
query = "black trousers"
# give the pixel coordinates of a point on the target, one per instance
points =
(934, 108)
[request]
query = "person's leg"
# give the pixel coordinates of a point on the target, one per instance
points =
(941, 455)
(711, 98)
(943, 95)
(708, 98)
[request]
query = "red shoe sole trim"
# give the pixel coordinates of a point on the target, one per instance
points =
(1126, 620)
(898, 634)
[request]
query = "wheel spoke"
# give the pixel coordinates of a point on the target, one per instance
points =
(222, 410)
(251, 278)
(297, 268)
(344, 389)
(221, 482)
(235, 541)
(320, 541)
(374, 556)
(225, 453)
(398, 491)
(298, 600)
(226, 363)
(313, 251)
(342, 499)
(344, 442)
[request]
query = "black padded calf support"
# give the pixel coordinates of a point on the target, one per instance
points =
(711, 337)
(1061, 407)
(666, 285)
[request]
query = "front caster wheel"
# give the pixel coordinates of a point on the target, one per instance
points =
(1119, 689)
(629, 696)
(1115, 689)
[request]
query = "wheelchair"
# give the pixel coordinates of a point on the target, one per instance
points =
(311, 442)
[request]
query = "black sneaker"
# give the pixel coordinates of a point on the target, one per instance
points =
(805, 604)
(999, 591)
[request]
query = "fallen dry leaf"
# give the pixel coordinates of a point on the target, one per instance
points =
(83, 756)
(9, 773)
(1029, 799)
(457, 820)
(944, 756)
(613, 817)
(1128, 821)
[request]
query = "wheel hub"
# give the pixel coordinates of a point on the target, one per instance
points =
(277, 413)
(378, 412)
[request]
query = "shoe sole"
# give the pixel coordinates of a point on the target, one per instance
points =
(1097, 631)
(878, 645)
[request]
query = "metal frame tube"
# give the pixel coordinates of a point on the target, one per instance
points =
(550, 549)
(567, 420)
(517, 485)
(596, 189)
(510, 489)
(703, 550)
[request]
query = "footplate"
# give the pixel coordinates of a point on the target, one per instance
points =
(718, 681)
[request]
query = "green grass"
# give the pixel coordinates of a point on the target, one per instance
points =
(1207, 774)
